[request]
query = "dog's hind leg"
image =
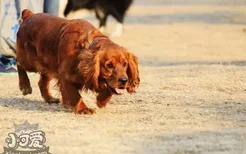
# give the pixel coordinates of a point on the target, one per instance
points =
(24, 82)
(44, 89)
(119, 26)
(102, 25)
(69, 8)
(118, 30)
(102, 16)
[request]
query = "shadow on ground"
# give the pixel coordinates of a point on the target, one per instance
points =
(216, 141)
(31, 105)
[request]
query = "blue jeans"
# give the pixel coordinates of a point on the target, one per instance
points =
(51, 7)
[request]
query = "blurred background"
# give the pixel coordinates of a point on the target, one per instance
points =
(192, 95)
(166, 32)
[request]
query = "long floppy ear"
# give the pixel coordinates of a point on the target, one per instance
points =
(89, 67)
(133, 73)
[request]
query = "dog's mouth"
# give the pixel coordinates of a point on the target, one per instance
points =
(118, 91)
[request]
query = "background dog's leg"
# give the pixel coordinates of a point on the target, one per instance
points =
(44, 89)
(118, 30)
(24, 82)
(103, 97)
(102, 25)
(119, 26)
(69, 8)
(102, 16)
(72, 98)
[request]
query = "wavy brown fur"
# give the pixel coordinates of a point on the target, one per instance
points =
(59, 48)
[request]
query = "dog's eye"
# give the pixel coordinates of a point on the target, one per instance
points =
(124, 64)
(110, 65)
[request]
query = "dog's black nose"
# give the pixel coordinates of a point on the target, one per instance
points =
(123, 80)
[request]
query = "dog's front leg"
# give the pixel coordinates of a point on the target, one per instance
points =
(103, 97)
(72, 98)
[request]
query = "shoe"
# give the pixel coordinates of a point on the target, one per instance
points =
(7, 65)
(7, 68)
(11, 68)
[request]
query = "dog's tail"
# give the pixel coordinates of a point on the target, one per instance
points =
(26, 13)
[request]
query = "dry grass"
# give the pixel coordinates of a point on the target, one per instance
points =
(192, 96)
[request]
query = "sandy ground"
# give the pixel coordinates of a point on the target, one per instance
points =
(192, 96)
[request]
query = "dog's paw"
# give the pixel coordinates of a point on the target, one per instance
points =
(118, 30)
(86, 111)
(101, 105)
(53, 101)
(116, 34)
(26, 90)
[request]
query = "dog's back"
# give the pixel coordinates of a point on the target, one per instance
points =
(40, 36)
(34, 38)
(109, 5)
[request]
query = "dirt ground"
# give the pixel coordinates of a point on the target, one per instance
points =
(192, 96)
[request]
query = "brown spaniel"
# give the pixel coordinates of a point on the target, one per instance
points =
(78, 55)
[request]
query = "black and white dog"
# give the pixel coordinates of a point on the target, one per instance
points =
(103, 8)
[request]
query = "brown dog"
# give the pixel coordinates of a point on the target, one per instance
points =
(75, 53)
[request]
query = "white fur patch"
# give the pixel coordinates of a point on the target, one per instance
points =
(118, 30)
(102, 29)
